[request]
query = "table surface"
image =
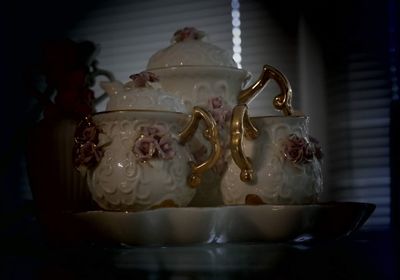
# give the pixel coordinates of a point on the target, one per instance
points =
(26, 254)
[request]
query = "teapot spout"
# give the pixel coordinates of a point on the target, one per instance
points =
(112, 88)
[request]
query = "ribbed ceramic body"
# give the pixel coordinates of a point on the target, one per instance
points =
(56, 185)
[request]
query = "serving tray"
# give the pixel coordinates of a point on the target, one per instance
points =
(264, 223)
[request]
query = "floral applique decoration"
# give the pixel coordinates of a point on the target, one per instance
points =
(187, 33)
(300, 151)
(221, 112)
(88, 148)
(143, 79)
(154, 142)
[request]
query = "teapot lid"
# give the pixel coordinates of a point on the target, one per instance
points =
(188, 49)
(142, 92)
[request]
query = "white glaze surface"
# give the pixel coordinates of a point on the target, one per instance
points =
(122, 180)
(127, 97)
(277, 180)
(265, 223)
(195, 85)
(191, 53)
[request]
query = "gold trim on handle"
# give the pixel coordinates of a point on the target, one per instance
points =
(211, 134)
(282, 101)
(242, 126)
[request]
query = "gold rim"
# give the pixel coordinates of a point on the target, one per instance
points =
(137, 111)
(203, 67)
(291, 117)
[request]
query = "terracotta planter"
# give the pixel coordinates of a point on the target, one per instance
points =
(56, 185)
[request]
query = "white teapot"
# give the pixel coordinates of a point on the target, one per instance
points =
(198, 72)
(137, 159)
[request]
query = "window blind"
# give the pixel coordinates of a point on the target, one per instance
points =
(265, 41)
(358, 121)
(129, 32)
(359, 96)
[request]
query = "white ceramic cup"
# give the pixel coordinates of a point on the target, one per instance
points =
(274, 161)
(136, 159)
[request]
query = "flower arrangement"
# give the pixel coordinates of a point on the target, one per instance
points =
(154, 142)
(68, 70)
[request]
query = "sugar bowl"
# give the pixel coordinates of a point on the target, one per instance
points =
(136, 159)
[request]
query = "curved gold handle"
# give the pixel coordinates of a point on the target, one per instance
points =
(211, 134)
(282, 101)
(242, 126)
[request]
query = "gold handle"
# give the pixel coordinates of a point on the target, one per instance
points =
(211, 134)
(242, 126)
(282, 101)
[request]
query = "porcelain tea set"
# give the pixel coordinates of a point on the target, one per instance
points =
(179, 134)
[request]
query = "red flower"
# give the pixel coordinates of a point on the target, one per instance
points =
(66, 67)
(59, 58)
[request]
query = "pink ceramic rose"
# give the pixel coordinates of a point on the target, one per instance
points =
(88, 154)
(300, 151)
(142, 79)
(145, 147)
(154, 142)
(187, 33)
(89, 142)
(220, 111)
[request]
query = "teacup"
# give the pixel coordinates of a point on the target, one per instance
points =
(274, 161)
(209, 193)
(136, 159)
